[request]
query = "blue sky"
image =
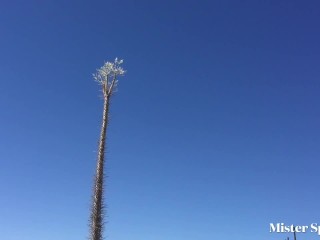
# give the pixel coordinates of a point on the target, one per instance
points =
(214, 130)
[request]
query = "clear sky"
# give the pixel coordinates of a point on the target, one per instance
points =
(214, 130)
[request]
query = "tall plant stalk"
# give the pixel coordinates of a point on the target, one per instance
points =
(106, 76)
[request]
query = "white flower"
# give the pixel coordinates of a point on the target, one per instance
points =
(108, 72)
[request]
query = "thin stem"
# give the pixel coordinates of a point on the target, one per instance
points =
(112, 84)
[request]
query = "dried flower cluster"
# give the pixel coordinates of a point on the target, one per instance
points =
(107, 74)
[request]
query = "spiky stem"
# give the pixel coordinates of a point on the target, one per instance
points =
(96, 225)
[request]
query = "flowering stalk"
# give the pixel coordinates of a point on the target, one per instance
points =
(106, 76)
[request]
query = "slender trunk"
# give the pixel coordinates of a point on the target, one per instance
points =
(96, 224)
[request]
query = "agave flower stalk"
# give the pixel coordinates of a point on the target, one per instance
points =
(106, 76)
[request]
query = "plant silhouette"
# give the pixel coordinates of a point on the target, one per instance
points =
(106, 76)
